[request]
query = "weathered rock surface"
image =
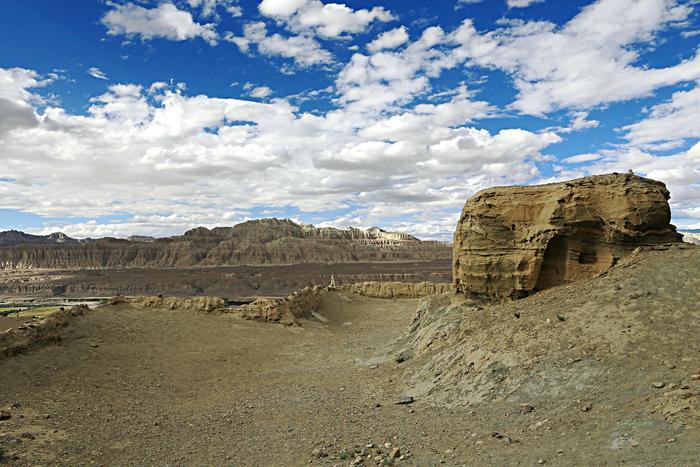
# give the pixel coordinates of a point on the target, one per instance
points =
(203, 304)
(300, 304)
(511, 241)
(38, 332)
(259, 242)
(397, 289)
(287, 310)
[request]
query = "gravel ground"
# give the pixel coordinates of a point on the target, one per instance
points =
(156, 387)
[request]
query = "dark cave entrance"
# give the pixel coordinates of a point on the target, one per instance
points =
(554, 262)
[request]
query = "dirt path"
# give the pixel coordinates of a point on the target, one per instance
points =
(151, 387)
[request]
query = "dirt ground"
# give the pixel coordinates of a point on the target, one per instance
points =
(145, 387)
(9, 323)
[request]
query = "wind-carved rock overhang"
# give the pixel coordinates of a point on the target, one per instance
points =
(512, 241)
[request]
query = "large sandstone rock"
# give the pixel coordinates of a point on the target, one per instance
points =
(511, 241)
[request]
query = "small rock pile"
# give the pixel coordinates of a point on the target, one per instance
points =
(361, 455)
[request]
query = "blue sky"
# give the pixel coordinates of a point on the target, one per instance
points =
(150, 117)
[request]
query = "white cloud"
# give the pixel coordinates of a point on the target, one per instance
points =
(393, 150)
(235, 11)
(389, 40)
(522, 3)
(209, 7)
(16, 98)
(152, 151)
(580, 158)
(280, 8)
(260, 92)
(590, 61)
(390, 78)
(579, 121)
(305, 50)
(330, 20)
(669, 123)
(165, 21)
(97, 73)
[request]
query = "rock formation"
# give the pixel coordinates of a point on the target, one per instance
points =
(202, 304)
(511, 241)
(38, 331)
(397, 289)
(259, 242)
(300, 304)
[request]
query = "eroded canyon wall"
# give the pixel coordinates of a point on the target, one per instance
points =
(259, 242)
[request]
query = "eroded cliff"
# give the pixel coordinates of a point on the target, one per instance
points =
(511, 241)
(259, 242)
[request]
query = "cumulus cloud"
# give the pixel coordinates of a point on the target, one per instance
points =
(16, 98)
(579, 121)
(164, 21)
(522, 3)
(97, 73)
(588, 62)
(392, 150)
(668, 123)
(304, 50)
(389, 40)
(260, 92)
(208, 8)
(330, 20)
(391, 78)
(141, 155)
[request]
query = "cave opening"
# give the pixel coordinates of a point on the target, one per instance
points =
(554, 262)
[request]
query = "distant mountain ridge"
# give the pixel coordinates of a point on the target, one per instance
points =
(256, 242)
(16, 237)
(691, 236)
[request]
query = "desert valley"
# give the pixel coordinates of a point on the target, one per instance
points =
(349, 233)
(561, 331)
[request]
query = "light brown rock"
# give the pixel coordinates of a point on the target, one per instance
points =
(300, 304)
(511, 241)
(397, 289)
(204, 304)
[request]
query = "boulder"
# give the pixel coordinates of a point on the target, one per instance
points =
(511, 241)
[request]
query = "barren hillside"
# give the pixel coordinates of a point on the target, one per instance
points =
(602, 371)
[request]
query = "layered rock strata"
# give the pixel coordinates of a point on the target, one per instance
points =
(397, 289)
(259, 242)
(511, 241)
(301, 304)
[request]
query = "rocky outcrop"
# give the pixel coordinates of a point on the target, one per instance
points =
(511, 241)
(300, 304)
(397, 289)
(287, 310)
(38, 331)
(260, 242)
(202, 304)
